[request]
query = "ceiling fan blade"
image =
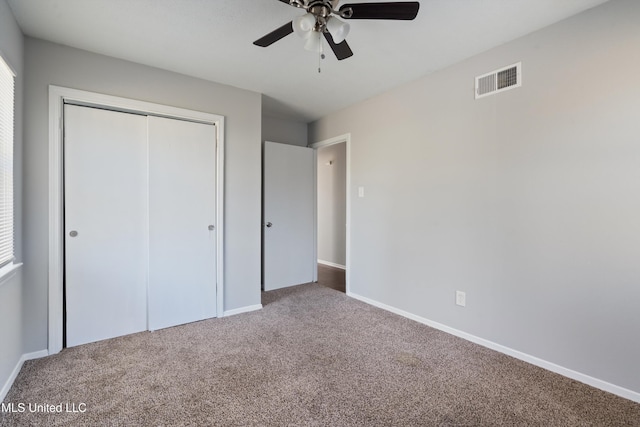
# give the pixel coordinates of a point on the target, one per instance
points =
(275, 35)
(341, 50)
(402, 10)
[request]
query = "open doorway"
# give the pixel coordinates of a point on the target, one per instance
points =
(332, 214)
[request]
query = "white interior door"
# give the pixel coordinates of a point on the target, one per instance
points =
(105, 223)
(182, 212)
(289, 215)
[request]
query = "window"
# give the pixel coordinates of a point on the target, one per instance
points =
(6, 163)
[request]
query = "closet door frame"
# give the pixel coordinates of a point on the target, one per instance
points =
(58, 96)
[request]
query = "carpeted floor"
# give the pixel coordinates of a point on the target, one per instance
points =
(311, 357)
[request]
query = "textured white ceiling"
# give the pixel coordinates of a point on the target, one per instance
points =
(212, 39)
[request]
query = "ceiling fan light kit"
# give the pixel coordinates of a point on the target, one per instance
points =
(303, 25)
(306, 25)
(322, 16)
(313, 43)
(338, 29)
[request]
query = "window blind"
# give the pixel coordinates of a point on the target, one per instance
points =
(6, 163)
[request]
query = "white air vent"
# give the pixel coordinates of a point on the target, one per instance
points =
(498, 81)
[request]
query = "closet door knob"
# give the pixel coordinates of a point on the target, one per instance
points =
(211, 227)
(73, 233)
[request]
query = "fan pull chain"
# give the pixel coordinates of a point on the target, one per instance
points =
(320, 56)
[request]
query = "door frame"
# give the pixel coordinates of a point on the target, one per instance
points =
(346, 138)
(58, 96)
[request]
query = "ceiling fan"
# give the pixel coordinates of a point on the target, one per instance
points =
(322, 16)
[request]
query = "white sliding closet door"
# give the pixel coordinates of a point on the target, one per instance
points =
(140, 230)
(182, 228)
(105, 223)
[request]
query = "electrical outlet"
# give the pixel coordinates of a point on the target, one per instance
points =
(461, 298)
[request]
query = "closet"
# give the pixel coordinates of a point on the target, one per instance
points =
(139, 222)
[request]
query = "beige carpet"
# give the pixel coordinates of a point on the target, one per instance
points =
(311, 357)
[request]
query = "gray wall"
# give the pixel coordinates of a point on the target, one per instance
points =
(11, 347)
(284, 131)
(48, 63)
(332, 203)
(528, 200)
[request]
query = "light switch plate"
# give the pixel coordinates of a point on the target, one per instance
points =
(461, 298)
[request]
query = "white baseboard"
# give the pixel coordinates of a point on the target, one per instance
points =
(332, 264)
(241, 310)
(29, 356)
(569, 373)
